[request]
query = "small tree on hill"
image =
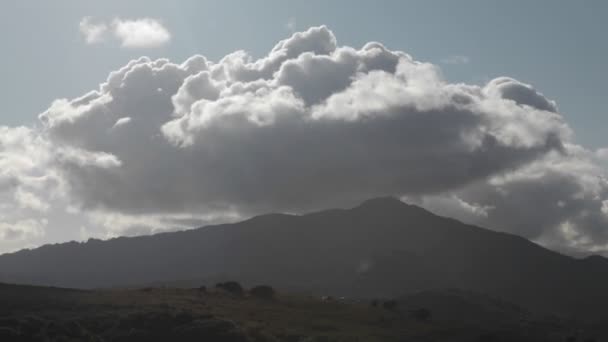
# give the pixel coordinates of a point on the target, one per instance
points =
(263, 292)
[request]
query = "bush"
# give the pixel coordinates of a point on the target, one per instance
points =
(263, 292)
(231, 287)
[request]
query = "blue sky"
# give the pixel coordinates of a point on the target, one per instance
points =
(559, 47)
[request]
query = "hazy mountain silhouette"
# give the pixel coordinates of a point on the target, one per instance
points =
(382, 248)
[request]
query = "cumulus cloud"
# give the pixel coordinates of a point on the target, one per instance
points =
(310, 125)
(130, 33)
(141, 33)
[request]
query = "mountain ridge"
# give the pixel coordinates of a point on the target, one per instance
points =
(380, 248)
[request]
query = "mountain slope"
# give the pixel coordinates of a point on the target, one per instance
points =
(381, 248)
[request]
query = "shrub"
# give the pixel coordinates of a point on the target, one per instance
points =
(374, 303)
(231, 287)
(263, 292)
(202, 289)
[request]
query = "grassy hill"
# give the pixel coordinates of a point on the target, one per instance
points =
(168, 314)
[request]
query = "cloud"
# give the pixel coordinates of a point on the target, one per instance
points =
(29, 200)
(602, 154)
(122, 122)
(359, 119)
(130, 33)
(19, 234)
(119, 224)
(291, 24)
(456, 59)
(140, 33)
(311, 125)
(93, 32)
(21, 230)
(521, 93)
(558, 201)
(28, 184)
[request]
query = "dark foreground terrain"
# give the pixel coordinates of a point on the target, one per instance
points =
(167, 314)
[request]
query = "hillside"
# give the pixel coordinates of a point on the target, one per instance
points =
(382, 248)
(169, 314)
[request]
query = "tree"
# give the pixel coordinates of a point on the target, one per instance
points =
(232, 287)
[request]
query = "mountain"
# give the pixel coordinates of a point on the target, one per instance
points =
(381, 248)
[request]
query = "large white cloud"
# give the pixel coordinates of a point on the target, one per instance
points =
(314, 124)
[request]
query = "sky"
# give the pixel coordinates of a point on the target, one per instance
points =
(488, 111)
